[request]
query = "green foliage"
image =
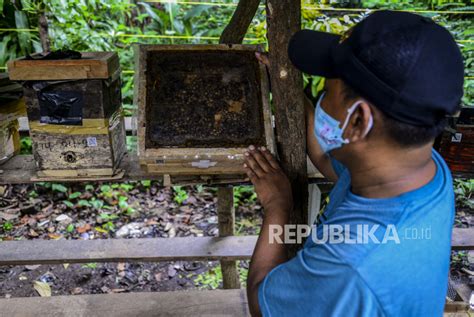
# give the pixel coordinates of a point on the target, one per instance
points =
(59, 188)
(91, 266)
(180, 195)
(244, 194)
(212, 278)
(26, 146)
(70, 228)
(7, 226)
(464, 190)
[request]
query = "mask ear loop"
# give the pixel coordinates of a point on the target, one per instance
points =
(350, 111)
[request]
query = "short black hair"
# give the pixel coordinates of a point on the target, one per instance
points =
(404, 134)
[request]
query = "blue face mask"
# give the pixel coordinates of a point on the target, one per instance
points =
(327, 130)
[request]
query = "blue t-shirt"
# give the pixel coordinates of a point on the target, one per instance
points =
(372, 277)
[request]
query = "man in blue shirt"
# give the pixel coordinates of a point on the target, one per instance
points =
(382, 246)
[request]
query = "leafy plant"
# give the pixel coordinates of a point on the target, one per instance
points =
(464, 190)
(212, 278)
(7, 226)
(180, 195)
(244, 194)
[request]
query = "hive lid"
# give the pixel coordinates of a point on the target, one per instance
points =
(92, 65)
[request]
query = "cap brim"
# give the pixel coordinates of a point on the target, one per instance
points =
(310, 52)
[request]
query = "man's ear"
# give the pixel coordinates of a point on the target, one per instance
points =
(360, 123)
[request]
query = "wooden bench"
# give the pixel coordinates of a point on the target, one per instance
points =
(183, 303)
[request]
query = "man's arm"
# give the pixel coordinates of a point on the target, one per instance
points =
(316, 155)
(274, 192)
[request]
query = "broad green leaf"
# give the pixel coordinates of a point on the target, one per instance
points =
(59, 188)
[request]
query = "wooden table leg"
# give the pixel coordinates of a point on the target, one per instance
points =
(226, 216)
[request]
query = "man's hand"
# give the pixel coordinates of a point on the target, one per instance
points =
(271, 184)
(274, 191)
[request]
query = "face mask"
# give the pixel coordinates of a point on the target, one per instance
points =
(326, 128)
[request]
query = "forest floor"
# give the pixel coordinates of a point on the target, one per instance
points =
(134, 210)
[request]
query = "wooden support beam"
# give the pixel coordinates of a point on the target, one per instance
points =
(27, 252)
(144, 304)
(233, 34)
(226, 216)
(235, 31)
(283, 20)
(126, 250)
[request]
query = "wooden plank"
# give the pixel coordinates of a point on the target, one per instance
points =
(92, 65)
(283, 20)
(462, 239)
(178, 303)
(124, 250)
(226, 216)
(158, 249)
(24, 125)
(21, 169)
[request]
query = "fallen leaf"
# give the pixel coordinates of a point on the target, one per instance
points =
(84, 228)
(43, 289)
(76, 291)
(121, 266)
(8, 216)
(158, 276)
(32, 267)
(66, 265)
(33, 233)
(55, 236)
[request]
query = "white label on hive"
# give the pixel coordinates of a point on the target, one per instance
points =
(91, 141)
(203, 164)
(457, 137)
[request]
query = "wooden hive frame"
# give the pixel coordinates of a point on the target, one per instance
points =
(178, 161)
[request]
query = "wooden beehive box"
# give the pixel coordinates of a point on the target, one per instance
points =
(12, 107)
(74, 114)
(458, 148)
(200, 107)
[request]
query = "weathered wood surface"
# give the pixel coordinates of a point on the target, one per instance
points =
(283, 20)
(458, 150)
(147, 249)
(92, 65)
(126, 250)
(21, 169)
(226, 216)
(462, 239)
(457, 309)
(240, 21)
(231, 303)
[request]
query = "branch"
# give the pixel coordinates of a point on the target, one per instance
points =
(235, 31)
(43, 32)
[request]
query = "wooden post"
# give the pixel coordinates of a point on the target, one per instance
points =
(226, 216)
(283, 20)
(233, 34)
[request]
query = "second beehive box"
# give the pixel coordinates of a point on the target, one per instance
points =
(200, 106)
(74, 114)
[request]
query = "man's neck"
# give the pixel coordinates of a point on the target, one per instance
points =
(388, 173)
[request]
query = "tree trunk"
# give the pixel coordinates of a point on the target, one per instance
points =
(283, 20)
(235, 31)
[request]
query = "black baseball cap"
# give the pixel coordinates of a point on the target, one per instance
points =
(406, 65)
